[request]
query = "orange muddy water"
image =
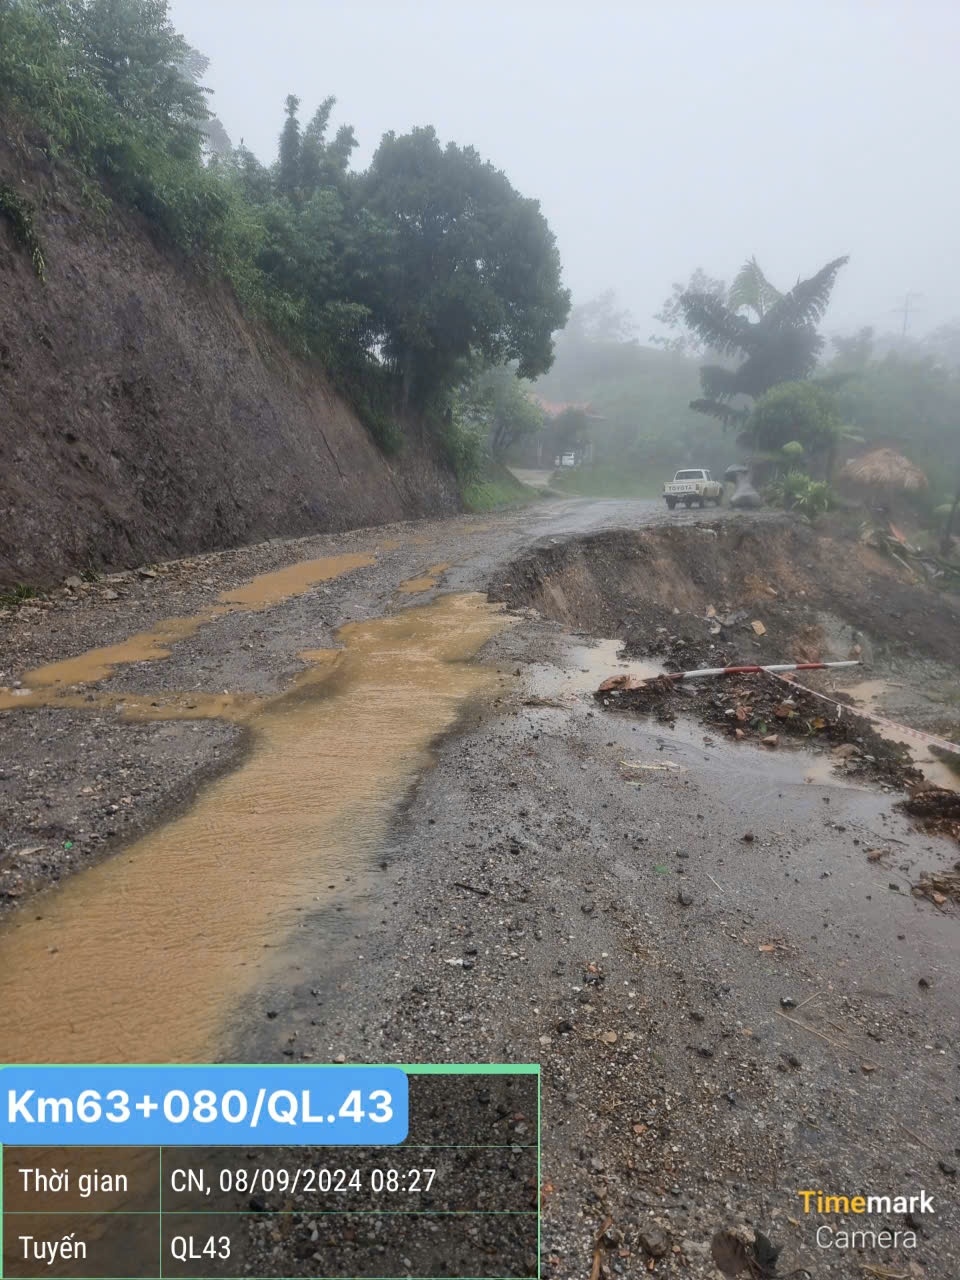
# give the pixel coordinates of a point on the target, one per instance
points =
(425, 583)
(46, 685)
(143, 957)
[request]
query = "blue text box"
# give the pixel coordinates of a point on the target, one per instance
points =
(213, 1105)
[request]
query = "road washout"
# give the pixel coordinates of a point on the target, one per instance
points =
(712, 596)
(699, 948)
(217, 890)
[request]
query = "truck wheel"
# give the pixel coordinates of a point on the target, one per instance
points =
(671, 503)
(701, 503)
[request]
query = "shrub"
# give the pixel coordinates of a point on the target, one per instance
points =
(796, 491)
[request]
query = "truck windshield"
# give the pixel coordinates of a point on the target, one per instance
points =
(689, 475)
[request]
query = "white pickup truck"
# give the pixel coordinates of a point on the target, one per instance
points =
(694, 486)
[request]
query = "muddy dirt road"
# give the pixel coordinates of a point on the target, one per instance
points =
(330, 799)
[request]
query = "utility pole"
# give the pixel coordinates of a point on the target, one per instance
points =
(906, 310)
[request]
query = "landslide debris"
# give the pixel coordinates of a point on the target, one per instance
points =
(740, 592)
(937, 810)
(769, 710)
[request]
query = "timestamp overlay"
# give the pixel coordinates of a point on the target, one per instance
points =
(225, 1171)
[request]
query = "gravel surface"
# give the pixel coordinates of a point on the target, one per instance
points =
(728, 1001)
(63, 805)
(733, 993)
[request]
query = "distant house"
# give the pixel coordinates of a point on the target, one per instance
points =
(554, 408)
(555, 439)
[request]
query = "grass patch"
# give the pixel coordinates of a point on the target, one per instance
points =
(18, 595)
(19, 214)
(606, 480)
(495, 488)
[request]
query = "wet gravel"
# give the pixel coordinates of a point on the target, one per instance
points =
(721, 969)
(70, 794)
(721, 1021)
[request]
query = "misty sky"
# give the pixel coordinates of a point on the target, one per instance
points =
(658, 137)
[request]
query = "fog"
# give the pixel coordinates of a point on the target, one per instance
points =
(658, 138)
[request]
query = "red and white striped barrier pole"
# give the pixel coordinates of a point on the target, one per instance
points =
(944, 743)
(748, 670)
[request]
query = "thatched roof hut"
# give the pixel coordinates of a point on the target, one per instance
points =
(885, 469)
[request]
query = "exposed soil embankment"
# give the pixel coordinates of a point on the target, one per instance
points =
(655, 588)
(142, 416)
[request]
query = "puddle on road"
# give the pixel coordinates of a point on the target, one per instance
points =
(867, 693)
(44, 685)
(144, 706)
(586, 666)
(827, 771)
(141, 958)
(425, 583)
(282, 584)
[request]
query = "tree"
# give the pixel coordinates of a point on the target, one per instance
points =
(796, 420)
(600, 320)
(500, 402)
(751, 290)
(323, 163)
(685, 342)
(288, 158)
(472, 268)
(781, 345)
(216, 140)
(313, 147)
(144, 65)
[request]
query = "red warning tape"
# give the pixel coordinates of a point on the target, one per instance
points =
(869, 715)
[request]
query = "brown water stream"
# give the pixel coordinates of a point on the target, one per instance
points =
(50, 685)
(426, 582)
(142, 957)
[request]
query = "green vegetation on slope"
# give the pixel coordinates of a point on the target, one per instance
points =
(398, 278)
(909, 399)
(496, 487)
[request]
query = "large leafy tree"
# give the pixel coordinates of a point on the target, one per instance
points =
(144, 65)
(781, 344)
(499, 402)
(471, 269)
